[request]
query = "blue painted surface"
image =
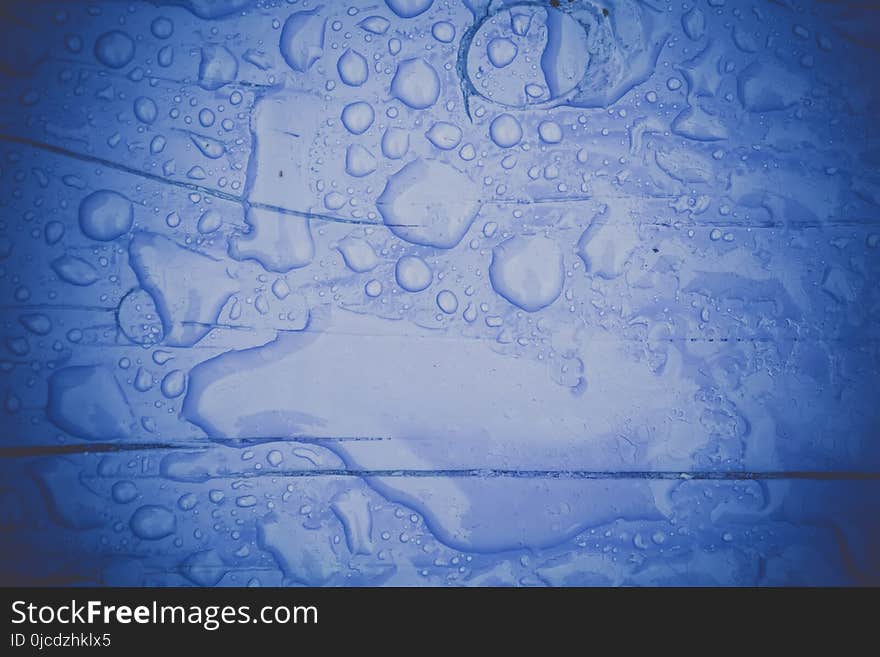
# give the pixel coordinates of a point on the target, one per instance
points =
(439, 293)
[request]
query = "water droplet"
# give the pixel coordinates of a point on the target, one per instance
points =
(152, 522)
(75, 271)
(444, 136)
(443, 31)
(210, 148)
(53, 232)
(114, 49)
(173, 384)
(206, 118)
(209, 221)
(302, 39)
(246, 501)
(352, 68)
(162, 27)
(105, 215)
(527, 271)
(416, 83)
(447, 301)
(413, 274)
(280, 289)
(501, 51)
(418, 207)
(375, 24)
(124, 492)
(505, 131)
(143, 380)
(36, 323)
(395, 143)
(373, 288)
(357, 117)
(358, 254)
(145, 110)
(138, 318)
(359, 162)
(550, 132)
(165, 56)
(187, 501)
(409, 8)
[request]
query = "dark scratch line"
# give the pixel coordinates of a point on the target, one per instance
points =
(192, 187)
(585, 475)
(103, 72)
(494, 473)
(21, 451)
(457, 473)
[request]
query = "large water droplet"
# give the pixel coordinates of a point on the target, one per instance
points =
(358, 254)
(444, 136)
(550, 132)
(162, 27)
(409, 8)
(359, 162)
(413, 274)
(505, 131)
(114, 49)
(302, 39)
(145, 110)
(528, 271)
(209, 221)
(443, 31)
(105, 215)
(152, 522)
(173, 384)
(430, 203)
(74, 270)
(375, 24)
(352, 68)
(357, 117)
(36, 323)
(501, 52)
(395, 143)
(447, 301)
(54, 231)
(416, 83)
(143, 380)
(124, 492)
(138, 318)
(210, 148)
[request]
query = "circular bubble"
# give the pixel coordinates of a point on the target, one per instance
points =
(138, 318)
(501, 54)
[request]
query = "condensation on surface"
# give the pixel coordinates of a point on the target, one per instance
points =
(439, 293)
